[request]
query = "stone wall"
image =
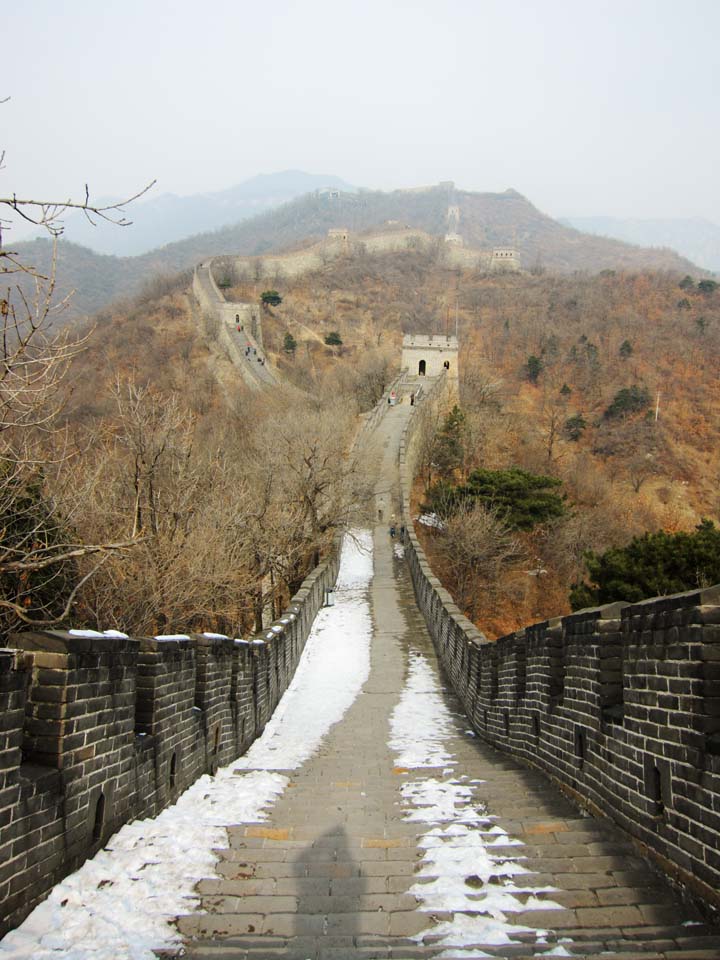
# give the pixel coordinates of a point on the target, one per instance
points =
(619, 705)
(427, 355)
(97, 730)
(285, 266)
(238, 324)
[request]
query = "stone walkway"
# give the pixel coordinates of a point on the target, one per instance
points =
(343, 867)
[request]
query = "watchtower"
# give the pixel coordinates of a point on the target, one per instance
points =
(505, 258)
(429, 356)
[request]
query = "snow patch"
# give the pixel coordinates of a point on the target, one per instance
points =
(421, 723)
(333, 670)
(459, 873)
(121, 904)
(431, 520)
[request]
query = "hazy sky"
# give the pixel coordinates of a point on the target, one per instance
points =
(585, 106)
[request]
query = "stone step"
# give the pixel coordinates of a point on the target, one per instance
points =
(327, 876)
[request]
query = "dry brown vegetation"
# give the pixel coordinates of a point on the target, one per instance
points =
(221, 499)
(594, 336)
(228, 497)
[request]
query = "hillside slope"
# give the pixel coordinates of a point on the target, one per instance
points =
(608, 351)
(696, 238)
(167, 218)
(486, 220)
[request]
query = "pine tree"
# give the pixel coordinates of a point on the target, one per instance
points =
(653, 565)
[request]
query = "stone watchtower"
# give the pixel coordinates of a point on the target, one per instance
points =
(505, 259)
(429, 356)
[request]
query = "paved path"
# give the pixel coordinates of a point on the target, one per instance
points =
(345, 865)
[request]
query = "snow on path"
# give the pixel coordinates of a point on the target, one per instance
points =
(120, 905)
(459, 872)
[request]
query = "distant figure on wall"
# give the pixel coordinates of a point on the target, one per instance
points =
(446, 365)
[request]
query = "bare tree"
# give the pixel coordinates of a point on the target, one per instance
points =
(39, 546)
(476, 548)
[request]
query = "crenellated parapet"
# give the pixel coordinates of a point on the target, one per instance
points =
(99, 729)
(619, 705)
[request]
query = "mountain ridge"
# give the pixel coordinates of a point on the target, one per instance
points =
(486, 220)
(170, 217)
(694, 237)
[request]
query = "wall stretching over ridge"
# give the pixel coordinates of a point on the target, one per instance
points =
(619, 705)
(230, 316)
(339, 244)
(97, 730)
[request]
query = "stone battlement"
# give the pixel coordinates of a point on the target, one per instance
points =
(619, 705)
(99, 729)
(430, 356)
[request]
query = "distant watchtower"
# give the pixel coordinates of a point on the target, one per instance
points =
(429, 356)
(505, 258)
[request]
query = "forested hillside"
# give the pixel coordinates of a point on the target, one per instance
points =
(560, 377)
(486, 220)
(198, 505)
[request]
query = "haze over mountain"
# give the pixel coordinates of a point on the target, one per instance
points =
(486, 220)
(695, 238)
(163, 219)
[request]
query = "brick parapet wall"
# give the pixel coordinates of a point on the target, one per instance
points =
(619, 705)
(97, 730)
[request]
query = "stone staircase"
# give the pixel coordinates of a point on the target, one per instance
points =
(343, 867)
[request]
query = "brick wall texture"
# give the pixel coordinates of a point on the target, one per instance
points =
(97, 731)
(619, 705)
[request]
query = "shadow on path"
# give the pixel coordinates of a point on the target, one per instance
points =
(330, 891)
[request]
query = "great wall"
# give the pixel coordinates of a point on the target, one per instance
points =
(618, 706)
(342, 243)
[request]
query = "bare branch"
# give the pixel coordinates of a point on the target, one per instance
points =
(28, 564)
(22, 614)
(47, 213)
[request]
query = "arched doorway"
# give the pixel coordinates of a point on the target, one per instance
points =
(421, 368)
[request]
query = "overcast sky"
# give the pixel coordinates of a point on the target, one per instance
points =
(585, 106)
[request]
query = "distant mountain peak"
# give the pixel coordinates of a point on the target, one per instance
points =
(170, 217)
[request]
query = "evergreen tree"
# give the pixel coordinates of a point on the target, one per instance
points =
(290, 344)
(626, 349)
(626, 401)
(270, 298)
(449, 448)
(575, 426)
(653, 565)
(533, 368)
(521, 499)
